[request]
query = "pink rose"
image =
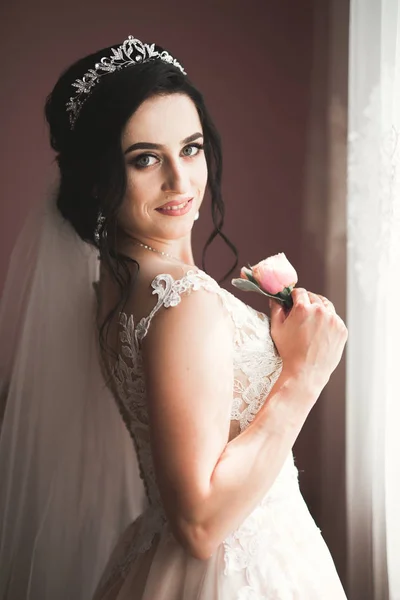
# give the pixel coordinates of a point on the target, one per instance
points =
(274, 274)
(274, 277)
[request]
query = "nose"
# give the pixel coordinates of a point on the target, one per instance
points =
(176, 178)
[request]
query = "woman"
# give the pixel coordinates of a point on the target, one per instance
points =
(212, 396)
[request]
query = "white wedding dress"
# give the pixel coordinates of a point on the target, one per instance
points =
(278, 552)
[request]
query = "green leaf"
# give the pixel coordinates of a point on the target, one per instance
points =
(248, 286)
(251, 278)
(245, 285)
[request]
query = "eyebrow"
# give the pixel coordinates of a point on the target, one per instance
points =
(151, 146)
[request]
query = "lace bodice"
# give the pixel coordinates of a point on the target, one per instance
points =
(256, 366)
(256, 363)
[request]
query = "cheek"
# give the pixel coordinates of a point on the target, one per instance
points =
(131, 208)
(138, 190)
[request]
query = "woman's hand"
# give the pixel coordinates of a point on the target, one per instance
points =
(310, 338)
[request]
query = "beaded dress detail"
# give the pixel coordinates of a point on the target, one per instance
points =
(277, 553)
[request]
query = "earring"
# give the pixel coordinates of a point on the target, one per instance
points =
(196, 216)
(97, 231)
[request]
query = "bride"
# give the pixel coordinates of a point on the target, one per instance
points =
(149, 414)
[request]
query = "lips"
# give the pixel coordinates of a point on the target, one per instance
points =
(176, 202)
(177, 210)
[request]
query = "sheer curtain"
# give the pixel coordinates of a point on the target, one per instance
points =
(373, 317)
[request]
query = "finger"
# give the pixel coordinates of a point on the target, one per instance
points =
(277, 311)
(329, 305)
(300, 296)
(315, 298)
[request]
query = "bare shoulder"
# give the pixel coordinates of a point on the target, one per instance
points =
(151, 283)
(140, 298)
(157, 279)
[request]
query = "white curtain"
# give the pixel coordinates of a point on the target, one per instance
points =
(373, 317)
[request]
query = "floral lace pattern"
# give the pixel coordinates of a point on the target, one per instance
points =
(257, 365)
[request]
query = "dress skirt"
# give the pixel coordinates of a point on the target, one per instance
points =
(277, 553)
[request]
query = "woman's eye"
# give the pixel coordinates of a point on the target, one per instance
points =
(143, 160)
(197, 147)
(147, 160)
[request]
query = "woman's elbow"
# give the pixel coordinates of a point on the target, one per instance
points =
(196, 541)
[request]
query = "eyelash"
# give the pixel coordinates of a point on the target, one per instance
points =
(135, 162)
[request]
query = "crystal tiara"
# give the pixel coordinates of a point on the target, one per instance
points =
(131, 52)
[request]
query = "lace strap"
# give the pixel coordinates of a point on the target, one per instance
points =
(170, 290)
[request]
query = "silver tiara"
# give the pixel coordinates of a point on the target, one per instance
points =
(131, 52)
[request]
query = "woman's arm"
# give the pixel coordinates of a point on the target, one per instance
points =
(250, 463)
(209, 486)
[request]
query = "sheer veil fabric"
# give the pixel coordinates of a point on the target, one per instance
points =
(373, 291)
(69, 476)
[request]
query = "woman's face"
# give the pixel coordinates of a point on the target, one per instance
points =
(164, 159)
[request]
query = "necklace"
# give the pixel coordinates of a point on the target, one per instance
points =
(158, 251)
